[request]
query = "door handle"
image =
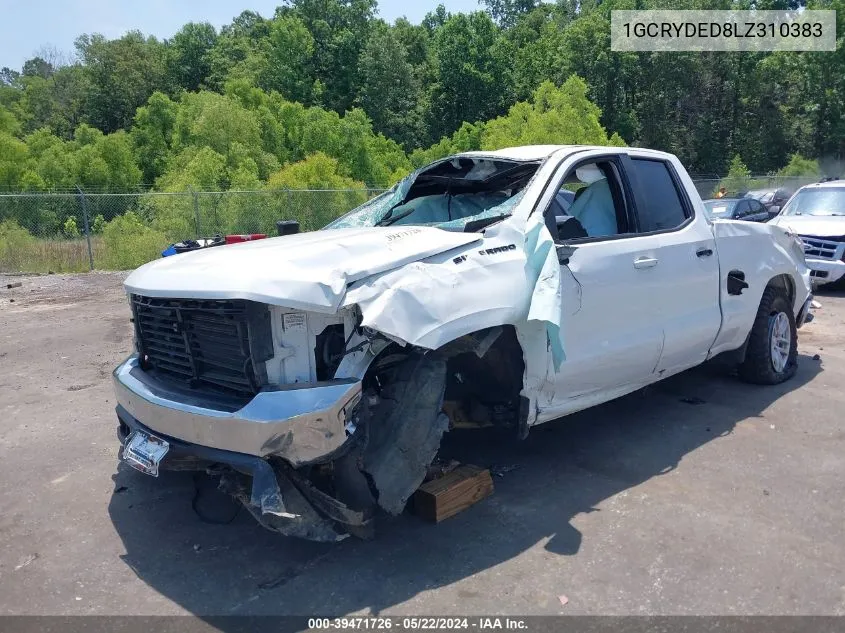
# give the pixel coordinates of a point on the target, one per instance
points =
(645, 262)
(704, 252)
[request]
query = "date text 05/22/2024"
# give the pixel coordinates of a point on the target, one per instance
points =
(417, 623)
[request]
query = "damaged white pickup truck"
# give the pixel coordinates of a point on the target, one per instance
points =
(312, 373)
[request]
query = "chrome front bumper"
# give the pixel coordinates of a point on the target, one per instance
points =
(300, 423)
(825, 271)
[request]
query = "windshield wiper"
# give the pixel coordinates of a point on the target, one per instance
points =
(389, 219)
(475, 225)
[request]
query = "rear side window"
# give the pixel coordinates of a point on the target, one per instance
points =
(664, 208)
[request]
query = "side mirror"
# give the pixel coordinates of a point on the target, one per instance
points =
(287, 227)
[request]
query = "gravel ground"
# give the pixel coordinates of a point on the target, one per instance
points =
(700, 495)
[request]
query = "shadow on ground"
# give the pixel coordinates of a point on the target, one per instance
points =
(563, 469)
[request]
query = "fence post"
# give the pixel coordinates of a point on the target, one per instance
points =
(84, 205)
(196, 210)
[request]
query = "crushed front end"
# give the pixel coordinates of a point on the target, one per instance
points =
(250, 393)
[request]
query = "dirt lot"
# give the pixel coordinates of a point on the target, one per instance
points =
(698, 496)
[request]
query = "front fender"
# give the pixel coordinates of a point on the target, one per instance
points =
(432, 302)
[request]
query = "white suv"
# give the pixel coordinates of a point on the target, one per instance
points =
(817, 214)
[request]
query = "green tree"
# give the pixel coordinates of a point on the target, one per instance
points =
(189, 61)
(738, 178)
(152, 135)
(389, 91)
(612, 77)
(339, 29)
(800, 167)
(507, 12)
(70, 229)
(103, 162)
(291, 47)
(472, 66)
(317, 171)
(285, 60)
(8, 122)
(221, 123)
(123, 73)
(58, 102)
(556, 115)
(13, 157)
(129, 243)
(37, 67)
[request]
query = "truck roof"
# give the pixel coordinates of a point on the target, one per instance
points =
(539, 152)
(825, 185)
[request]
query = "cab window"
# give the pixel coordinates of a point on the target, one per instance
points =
(664, 207)
(589, 203)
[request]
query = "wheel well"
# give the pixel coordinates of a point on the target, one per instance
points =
(484, 376)
(786, 283)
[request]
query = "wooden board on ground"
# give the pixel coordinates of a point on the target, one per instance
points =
(444, 497)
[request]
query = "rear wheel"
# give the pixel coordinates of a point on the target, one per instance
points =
(772, 353)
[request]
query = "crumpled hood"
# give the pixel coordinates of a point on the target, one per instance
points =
(308, 271)
(819, 226)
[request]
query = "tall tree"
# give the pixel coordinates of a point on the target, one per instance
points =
(123, 73)
(472, 67)
(37, 67)
(287, 56)
(388, 90)
(340, 29)
(189, 60)
(508, 12)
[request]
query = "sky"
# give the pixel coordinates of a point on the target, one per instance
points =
(29, 25)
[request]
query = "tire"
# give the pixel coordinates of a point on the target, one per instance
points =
(774, 329)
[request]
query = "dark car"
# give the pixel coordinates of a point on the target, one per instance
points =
(772, 199)
(747, 209)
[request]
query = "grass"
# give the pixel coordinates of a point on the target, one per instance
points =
(41, 256)
(125, 244)
(71, 255)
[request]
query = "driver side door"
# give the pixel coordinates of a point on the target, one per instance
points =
(611, 334)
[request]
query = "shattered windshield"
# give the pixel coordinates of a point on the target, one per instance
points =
(822, 201)
(448, 194)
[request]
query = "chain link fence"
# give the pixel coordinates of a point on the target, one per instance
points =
(709, 187)
(75, 232)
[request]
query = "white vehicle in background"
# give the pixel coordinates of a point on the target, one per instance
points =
(315, 374)
(816, 213)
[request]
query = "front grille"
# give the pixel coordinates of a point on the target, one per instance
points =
(215, 345)
(823, 247)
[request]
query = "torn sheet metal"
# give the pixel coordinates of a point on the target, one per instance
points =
(543, 271)
(302, 520)
(508, 278)
(404, 442)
